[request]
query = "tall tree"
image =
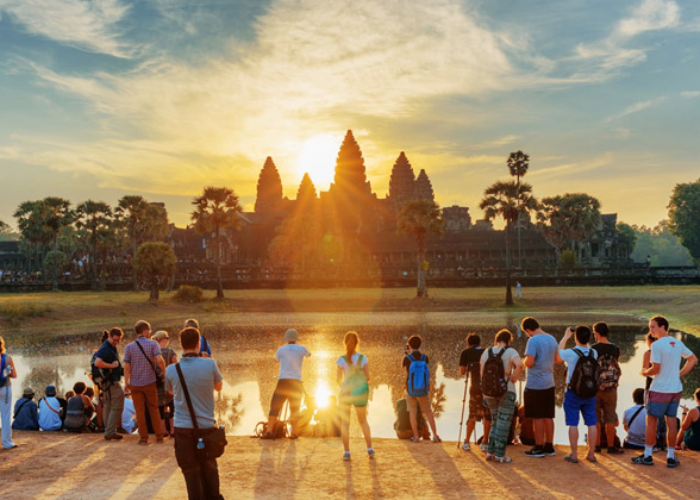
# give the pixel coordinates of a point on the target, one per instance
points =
(507, 200)
(518, 165)
(420, 219)
(142, 221)
(58, 214)
(154, 262)
(215, 210)
(684, 216)
(95, 218)
(568, 220)
(35, 235)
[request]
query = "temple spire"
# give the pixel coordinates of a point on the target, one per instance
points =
(424, 189)
(269, 193)
(307, 190)
(350, 177)
(402, 182)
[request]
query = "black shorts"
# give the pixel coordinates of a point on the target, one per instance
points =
(539, 403)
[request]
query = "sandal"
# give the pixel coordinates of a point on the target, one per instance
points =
(490, 457)
(502, 460)
(415, 440)
(571, 459)
(436, 439)
(592, 460)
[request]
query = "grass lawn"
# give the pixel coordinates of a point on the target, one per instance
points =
(78, 312)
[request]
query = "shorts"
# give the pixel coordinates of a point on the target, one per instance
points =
(356, 400)
(606, 406)
(476, 407)
(287, 389)
(413, 402)
(539, 403)
(660, 404)
(574, 406)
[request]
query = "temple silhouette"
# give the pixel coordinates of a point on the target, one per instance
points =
(349, 231)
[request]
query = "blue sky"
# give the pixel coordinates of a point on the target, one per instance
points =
(162, 97)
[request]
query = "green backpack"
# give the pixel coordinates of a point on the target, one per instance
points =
(355, 389)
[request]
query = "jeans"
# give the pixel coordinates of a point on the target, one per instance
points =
(201, 473)
(146, 397)
(502, 410)
(113, 400)
(6, 413)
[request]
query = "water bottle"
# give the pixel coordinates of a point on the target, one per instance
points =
(200, 444)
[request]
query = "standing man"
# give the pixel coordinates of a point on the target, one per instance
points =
(141, 357)
(470, 360)
(418, 387)
(606, 399)
(202, 378)
(665, 391)
(107, 359)
(540, 356)
(204, 347)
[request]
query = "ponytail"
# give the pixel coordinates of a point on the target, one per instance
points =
(351, 341)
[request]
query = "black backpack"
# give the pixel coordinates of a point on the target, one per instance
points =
(100, 377)
(493, 380)
(585, 378)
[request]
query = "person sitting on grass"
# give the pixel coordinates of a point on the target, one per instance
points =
(689, 433)
(353, 378)
(576, 401)
(79, 410)
(634, 422)
(469, 361)
(26, 417)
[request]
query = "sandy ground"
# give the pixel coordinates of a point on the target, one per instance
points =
(58, 465)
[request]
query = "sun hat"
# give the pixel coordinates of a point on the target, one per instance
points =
(51, 391)
(28, 392)
(291, 335)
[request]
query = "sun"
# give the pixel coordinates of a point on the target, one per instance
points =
(317, 158)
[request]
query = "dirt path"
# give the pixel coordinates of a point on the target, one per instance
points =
(58, 465)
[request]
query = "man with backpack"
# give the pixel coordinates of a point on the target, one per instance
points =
(540, 356)
(581, 389)
(418, 387)
(204, 347)
(609, 379)
(107, 374)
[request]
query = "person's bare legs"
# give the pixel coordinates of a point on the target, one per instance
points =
(413, 417)
(428, 412)
(672, 433)
(538, 424)
(471, 424)
(609, 434)
(650, 432)
(573, 441)
(362, 419)
(487, 431)
(592, 440)
(345, 425)
(548, 430)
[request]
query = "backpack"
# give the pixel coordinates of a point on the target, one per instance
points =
(355, 383)
(584, 379)
(493, 381)
(418, 376)
(3, 377)
(610, 372)
(100, 377)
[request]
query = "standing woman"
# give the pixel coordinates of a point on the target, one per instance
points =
(7, 372)
(166, 406)
(353, 378)
(502, 407)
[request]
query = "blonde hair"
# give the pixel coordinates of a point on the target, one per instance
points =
(351, 341)
(160, 335)
(2, 345)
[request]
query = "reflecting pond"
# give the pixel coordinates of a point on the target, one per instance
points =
(250, 372)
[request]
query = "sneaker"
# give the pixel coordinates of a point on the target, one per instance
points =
(114, 437)
(642, 460)
(549, 451)
(535, 452)
(466, 447)
(672, 463)
(346, 456)
(370, 452)
(615, 451)
(484, 448)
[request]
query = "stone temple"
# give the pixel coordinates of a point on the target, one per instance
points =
(349, 231)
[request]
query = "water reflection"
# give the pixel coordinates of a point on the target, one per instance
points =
(250, 372)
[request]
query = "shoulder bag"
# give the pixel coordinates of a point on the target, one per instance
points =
(215, 438)
(160, 378)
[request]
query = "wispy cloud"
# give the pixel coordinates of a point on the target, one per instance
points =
(636, 108)
(691, 94)
(90, 26)
(495, 143)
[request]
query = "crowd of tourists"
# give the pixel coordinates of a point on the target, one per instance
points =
(153, 391)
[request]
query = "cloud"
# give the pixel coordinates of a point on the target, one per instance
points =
(622, 133)
(501, 141)
(89, 26)
(691, 94)
(636, 108)
(569, 169)
(650, 15)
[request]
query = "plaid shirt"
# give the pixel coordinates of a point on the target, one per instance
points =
(141, 372)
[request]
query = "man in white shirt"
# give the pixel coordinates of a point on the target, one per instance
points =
(289, 386)
(665, 391)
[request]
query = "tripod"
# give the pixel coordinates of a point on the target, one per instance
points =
(464, 402)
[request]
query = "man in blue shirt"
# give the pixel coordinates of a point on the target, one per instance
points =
(26, 416)
(204, 347)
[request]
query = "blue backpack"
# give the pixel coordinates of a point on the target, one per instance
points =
(418, 376)
(3, 377)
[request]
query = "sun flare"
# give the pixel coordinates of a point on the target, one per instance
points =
(317, 158)
(323, 394)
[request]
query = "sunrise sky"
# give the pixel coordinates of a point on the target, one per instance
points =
(162, 97)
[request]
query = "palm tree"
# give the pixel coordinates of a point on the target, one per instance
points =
(216, 209)
(31, 226)
(518, 164)
(155, 262)
(95, 217)
(507, 200)
(420, 219)
(58, 215)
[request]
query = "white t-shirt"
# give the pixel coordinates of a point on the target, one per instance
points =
(346, 367)
(635, 434)
(128, 415)
(507, 358)
(668, 352)
(571, 358)
(290, 358)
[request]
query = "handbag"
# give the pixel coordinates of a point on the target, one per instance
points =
(214, 439)
(160, 378)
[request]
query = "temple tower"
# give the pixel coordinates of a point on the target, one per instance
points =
(269, 194)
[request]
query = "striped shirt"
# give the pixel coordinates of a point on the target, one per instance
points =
(142, 374)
